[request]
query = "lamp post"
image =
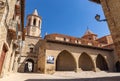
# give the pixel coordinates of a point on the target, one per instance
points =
(97, 17)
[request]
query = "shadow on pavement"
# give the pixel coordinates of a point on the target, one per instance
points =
(116, 78)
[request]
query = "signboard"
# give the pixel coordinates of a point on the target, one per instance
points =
(50, 60)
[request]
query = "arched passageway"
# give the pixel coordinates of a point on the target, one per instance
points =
(101, 63)
(117, 65)
(2, 56)
(65, 62)
(29, 65)
(85, 62)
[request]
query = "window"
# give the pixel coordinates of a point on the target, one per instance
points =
(31, 50)
(34, 22)
(64, 39)
(76, 41)
(29, 21)
(90, 44)
(59, 38)
(67, 40)
(90, 38)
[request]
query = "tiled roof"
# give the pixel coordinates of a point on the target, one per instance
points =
(88, 32)
(79, 45)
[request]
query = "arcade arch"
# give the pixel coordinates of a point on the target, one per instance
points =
(101, 63)
(85, 62)
(65, 62)
(117, 65)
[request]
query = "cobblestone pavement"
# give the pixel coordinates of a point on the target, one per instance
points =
(63, 76)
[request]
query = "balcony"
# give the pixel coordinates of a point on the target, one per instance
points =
(12, 29)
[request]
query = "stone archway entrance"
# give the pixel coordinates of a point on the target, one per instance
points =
(65, 62)
(29, 66)
(85, 62)
(2, 57)
(117, 65)
(101, 63)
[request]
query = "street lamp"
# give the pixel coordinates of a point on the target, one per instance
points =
(97, 17)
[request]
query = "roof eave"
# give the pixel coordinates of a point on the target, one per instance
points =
(95, 1)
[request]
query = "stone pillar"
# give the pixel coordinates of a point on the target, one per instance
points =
(12, 61)
(37, 22)
(31, 23)
(111, 9)
(95, 66)
(15, 68)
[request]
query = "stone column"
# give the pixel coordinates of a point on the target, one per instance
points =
(37, 22)
(32, 18)
(111, 9)
(12, 61)
(95, 66)
(15, 68)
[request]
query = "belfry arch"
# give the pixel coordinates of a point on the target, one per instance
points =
(65, 62)
(85, 62)
(101, 63)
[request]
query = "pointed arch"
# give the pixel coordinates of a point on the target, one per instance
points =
(29, 65)
(29, 21)
(65, 61)
(34, 22)
(101, 63)
(117, 65)
(85, 62)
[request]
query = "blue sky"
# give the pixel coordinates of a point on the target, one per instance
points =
(69, 17)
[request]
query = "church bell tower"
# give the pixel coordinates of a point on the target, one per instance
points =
(33, 27)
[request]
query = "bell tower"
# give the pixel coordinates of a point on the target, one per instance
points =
(33, 27)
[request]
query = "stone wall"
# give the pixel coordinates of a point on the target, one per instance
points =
(111, 10)
(54, 49)
(30, 42)
(7, 14)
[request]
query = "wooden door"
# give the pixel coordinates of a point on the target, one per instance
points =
(2, 57)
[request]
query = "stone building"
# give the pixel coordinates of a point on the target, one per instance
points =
(112, 14)
(33, 33)
(10, 34)
(58, 52)
(65, 53)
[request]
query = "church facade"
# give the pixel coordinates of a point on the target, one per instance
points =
(58, 52)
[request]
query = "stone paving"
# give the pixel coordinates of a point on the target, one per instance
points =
(63, 76)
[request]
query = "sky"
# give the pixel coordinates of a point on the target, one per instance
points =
(69, 17)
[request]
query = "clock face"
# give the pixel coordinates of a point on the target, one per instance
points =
(33, 29)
